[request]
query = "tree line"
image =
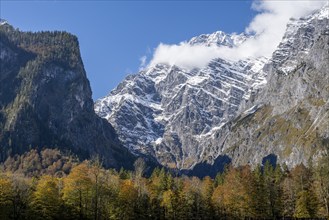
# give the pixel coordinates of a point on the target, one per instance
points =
(48, 46)
(86, 190)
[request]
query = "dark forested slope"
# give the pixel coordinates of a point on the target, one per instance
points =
(45, 99)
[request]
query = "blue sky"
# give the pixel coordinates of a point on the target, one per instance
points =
(114, 35)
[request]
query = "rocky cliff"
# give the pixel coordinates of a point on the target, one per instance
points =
(289, 118)
(45, 98)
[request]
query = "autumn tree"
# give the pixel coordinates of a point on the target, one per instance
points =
(260, 203)
(96, 174)
(301, 207)
(207, 188)
(139, 166)
(288, 196)
(15, 191)
(321, 185)
(126, 200)
(77, 191)
(171, 203)
(6, 197)
(305, 202)
(46, 200)
(234, 194)
(272, 182)
(217, 199)
(156, 187)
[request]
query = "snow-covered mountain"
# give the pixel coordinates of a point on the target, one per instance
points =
(164, 110)
(181, 117)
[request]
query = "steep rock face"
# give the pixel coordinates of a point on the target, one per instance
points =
(45, 98)
(289, 118)
(166, 111)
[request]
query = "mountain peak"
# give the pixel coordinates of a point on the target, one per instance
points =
(322, 13)
(3, 21)
(219, 38)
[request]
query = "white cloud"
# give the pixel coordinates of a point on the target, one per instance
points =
(143, 62)
(268, 26)
(185, 55)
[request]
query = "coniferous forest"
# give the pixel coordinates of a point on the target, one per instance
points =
(53, 185)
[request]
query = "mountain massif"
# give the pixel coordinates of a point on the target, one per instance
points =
(45, 99)
(245, 112)
(193, 120)
(267, 117)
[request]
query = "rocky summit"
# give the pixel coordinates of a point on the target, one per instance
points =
(242, 111)
(45, 99)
